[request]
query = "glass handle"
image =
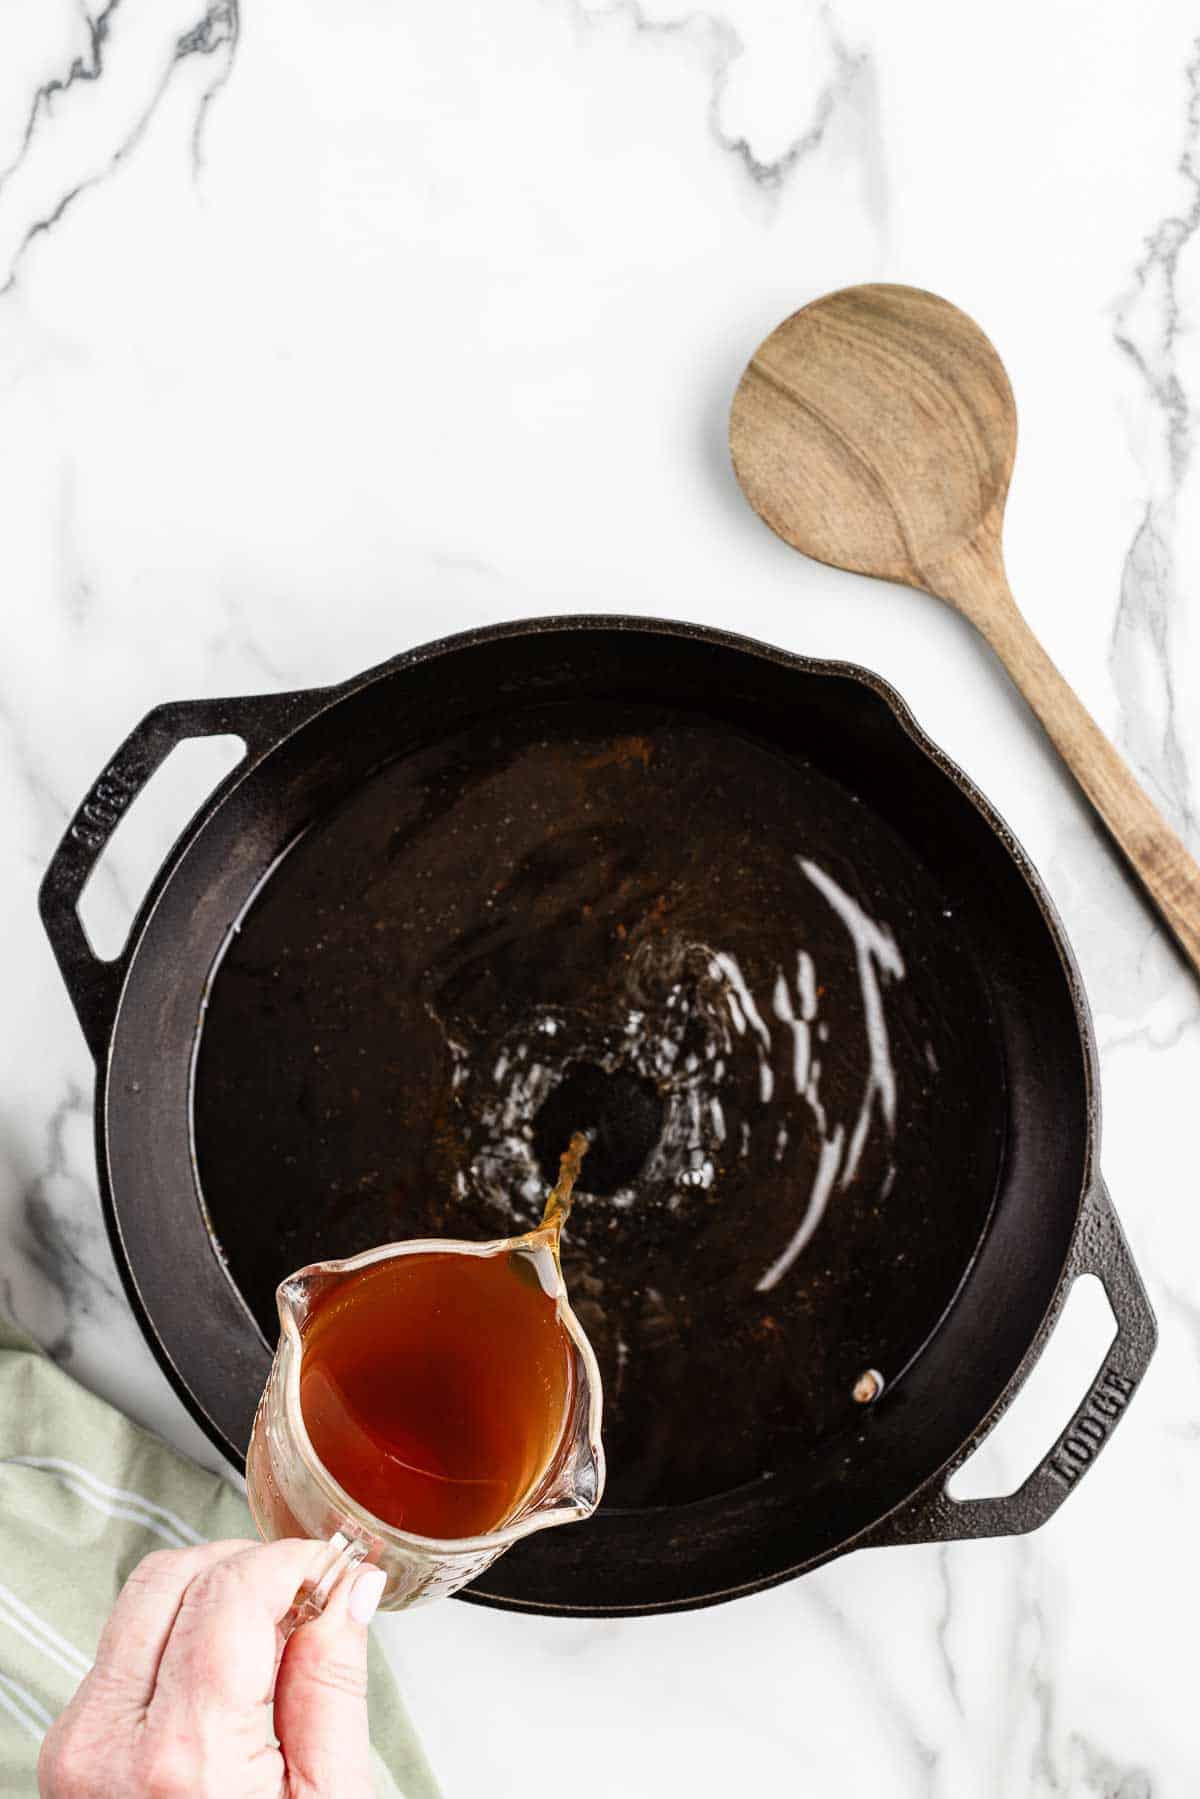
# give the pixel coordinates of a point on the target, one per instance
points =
(342, 1556)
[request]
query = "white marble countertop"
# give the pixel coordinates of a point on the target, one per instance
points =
(325, 331)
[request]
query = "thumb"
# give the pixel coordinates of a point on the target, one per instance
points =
(321, 1694)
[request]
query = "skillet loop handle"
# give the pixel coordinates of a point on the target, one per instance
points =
(94, 983)
(932, 1516)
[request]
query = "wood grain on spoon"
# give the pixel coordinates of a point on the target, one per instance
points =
(875, 430)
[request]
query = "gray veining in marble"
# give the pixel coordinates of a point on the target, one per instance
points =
(214, 35)
(1148, 331)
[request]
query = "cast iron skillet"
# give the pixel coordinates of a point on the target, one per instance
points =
(731, 905)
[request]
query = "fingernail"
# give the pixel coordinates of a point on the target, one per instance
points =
(366, 1593)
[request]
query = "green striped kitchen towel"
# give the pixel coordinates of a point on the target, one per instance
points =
(84, 1495)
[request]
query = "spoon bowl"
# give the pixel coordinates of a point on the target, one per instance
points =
(876, 430)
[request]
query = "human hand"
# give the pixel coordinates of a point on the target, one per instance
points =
(194, 1692)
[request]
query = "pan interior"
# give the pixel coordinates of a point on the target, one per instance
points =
(743, 973)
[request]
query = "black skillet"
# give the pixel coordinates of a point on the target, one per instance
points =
(730, 909)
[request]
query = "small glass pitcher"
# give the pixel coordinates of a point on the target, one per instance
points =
(293, 1494)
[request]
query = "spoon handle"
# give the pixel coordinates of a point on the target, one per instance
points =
(1155, 852)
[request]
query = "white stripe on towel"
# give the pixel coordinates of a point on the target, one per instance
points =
(40, 1644)
(66, 1653)
(24, 1697)
(10, 1705)
(89, 1486)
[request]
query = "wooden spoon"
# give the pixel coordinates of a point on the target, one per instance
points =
(875, 430)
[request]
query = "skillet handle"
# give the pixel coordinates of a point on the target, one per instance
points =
(94, 983)
(932, 1516)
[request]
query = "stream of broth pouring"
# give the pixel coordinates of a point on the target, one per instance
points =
(435, 1387)
(561, 1197)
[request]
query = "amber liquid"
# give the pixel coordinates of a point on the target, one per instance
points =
(436, 1388)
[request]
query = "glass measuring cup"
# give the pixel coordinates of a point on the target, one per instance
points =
(292, 1493)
